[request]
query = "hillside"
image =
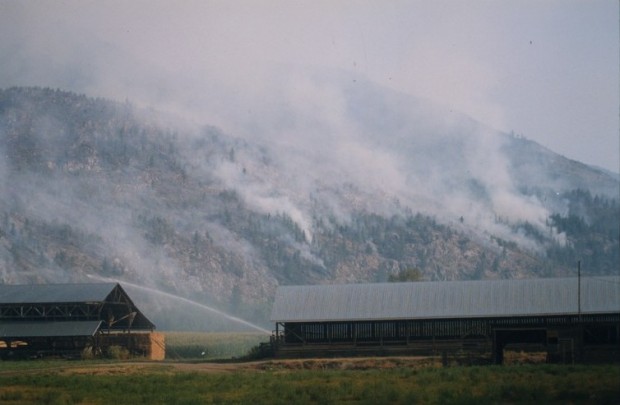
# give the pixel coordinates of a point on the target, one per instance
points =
(95, 188)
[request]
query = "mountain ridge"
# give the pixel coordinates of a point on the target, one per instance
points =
(92, 187)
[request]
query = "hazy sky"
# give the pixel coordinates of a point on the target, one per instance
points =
(546, 69)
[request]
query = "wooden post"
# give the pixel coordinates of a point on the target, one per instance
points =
(579, 291)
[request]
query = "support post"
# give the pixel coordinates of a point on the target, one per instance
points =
(579, 291)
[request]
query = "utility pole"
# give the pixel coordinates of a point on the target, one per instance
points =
(580, 324)
(579, 291)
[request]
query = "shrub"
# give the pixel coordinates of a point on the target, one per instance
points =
(118, 353)
(87, 353)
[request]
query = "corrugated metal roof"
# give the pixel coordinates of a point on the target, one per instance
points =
(447, 299)
(51, 329)
(51, 293)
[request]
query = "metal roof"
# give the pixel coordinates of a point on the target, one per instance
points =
(48, 329)
(51, 293)
(446, 299)
(105, 294)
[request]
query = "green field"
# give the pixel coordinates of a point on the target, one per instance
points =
(211, 346)
(190, 379)
(63, 382)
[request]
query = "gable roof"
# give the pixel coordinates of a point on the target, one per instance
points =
(446, 299)
(116, 308)
(48, 329)
(54, 293)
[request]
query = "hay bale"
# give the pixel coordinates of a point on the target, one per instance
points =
(157, 346)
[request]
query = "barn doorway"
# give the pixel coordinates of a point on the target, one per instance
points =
(525, 339)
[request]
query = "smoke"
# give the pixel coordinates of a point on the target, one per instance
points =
(544, 70)
(313, 144)
(334, 143)
(327, 115)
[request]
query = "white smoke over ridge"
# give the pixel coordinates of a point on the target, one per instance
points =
(329, 145)
(367, 148)
(547, 70)
(232, 67)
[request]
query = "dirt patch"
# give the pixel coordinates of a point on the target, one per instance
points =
(150, 367)
(366, 363)
(110, 369)
(142, 367)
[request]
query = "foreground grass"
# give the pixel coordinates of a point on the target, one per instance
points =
(160, 384)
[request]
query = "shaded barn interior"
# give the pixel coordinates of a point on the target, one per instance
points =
(571, 319)
(73, 320)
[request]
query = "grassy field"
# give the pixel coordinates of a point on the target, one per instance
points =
(309, 381)
(190, 377)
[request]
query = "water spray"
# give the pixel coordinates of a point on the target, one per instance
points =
(184, 300)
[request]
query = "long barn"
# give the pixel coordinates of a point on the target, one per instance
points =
(573, 319)
(70, 319)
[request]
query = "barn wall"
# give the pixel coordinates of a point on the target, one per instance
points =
(558, 335)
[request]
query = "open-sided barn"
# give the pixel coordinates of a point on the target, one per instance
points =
(72, 319)
(573, 319)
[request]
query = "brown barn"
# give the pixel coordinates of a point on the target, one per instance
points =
(572, 319)
(74, 320)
